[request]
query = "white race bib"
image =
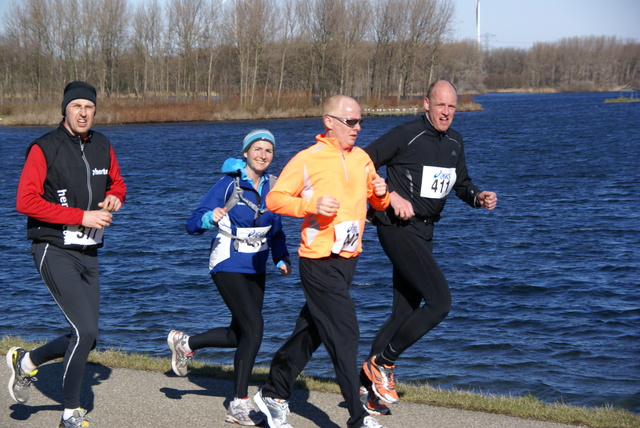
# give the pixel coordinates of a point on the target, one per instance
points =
(437, 182)
(252, 239)
(347, 236)
(81, 235)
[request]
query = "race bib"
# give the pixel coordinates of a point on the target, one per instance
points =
(81, 235)
(347, 236)
(437, 182)
(252, 239)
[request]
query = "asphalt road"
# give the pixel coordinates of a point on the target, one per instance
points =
(123, 398)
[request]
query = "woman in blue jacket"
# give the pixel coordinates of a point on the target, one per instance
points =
(235, 205)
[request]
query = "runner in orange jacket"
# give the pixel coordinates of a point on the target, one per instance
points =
(329, 185)
(328, 169)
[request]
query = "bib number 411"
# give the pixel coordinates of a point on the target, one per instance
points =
(437, 182)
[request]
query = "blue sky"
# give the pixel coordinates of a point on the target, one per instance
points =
(521, 23)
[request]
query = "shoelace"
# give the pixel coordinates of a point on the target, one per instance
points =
(184, 357)
(25, 379)
(388, 376)
(78, 421)
(244, 407)
(283, 408)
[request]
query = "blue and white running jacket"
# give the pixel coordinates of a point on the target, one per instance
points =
(257, 231)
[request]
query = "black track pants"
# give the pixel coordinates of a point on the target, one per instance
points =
(72, 279)
(328, 317)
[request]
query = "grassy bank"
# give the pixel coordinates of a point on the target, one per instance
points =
(523, 407)
(622, 100)
(130, 111)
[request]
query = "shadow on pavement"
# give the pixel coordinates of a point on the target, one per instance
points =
(299, 403)
(49, 384)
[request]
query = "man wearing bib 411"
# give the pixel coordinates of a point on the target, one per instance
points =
(327, 184)
(425, 160)
(69, 188)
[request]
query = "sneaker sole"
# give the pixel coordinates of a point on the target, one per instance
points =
(372, 410)
(257, 398)
(233, 420)
(12, 379)
(375, 412)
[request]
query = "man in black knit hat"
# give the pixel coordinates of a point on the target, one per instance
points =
(69, 189)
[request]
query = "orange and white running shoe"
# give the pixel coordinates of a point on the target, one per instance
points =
(382, 380)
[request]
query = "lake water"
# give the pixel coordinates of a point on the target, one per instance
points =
(545, 287)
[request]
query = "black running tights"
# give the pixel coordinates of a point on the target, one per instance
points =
(72, 279)
(417, 278)
(244, 295)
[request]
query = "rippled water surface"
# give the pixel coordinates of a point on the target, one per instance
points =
(545, 288)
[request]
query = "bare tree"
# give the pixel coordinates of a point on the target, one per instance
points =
(288, 29)
(439, 24)
(211, 41)
(247, 49)
(353, 28)
(422, 25)
(324, 23)
(187, 23)
(9, 65)
(462, 64)
(248, 25)
(112, 26)
(384, 31)
(32, 27)
(146, 43)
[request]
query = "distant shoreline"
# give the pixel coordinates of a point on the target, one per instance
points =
(126, 111)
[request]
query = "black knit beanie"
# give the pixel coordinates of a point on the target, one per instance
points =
(78, 90)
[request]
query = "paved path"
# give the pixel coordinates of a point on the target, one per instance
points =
(123, 398)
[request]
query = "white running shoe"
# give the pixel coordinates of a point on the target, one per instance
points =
(20, 381)
(179, 358)
(369, 422)
(241, 412)
(79, 419)
(276, 410)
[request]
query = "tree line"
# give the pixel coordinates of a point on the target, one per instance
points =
(260, 52)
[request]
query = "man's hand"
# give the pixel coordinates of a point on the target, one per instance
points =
(379, 187)
(489, 200)
(98, 219)
(401, 207)
(327, 206)
(111, 204)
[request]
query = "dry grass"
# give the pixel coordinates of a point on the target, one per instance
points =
(131, 111)
(526, 406)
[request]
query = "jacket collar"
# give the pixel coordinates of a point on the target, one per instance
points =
(331, 142)
(75, 137)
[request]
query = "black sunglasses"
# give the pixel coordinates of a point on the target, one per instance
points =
(349, 122)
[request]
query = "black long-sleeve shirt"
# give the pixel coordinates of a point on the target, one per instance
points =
(421, 163)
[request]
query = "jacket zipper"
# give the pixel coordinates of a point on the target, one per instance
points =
(88, 169)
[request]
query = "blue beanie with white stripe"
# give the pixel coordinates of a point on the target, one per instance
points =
(257, 135)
